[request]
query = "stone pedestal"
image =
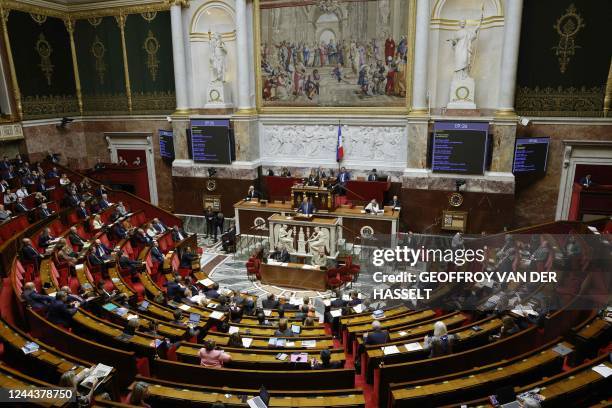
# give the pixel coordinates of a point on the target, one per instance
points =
(462, 94)
(218, 95)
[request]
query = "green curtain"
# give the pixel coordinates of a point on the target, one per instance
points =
(100, 58)
(43, 63)
(563, 58)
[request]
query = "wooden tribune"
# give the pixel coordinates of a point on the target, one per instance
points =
(294, 275)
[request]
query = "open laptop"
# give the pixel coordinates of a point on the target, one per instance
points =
(194, 318)
(262, 400)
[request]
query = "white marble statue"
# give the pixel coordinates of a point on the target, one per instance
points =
(463, 46)
(217, 55)
(319, 240)
(285, 238)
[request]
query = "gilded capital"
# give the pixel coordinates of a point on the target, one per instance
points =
(182, 3)
(69, 23)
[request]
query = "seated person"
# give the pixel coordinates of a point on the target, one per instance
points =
(213, 291)
(131, 327)
(509, 327)
(150, 231)
(261, 319)
(285, 172)
(121, 209)
(210, 356)
(64, 180)
(75, 239)
(270, 302)
(306, 207)
(373, 207)
(319, 258)
(73, 200)
(101, 250)
(20, 207)
(45, 238)
(283, 330)
(325, 362)
(251, 194)
(72, 298)
(4, 214)
(59, 312)
(159, 226)
(29, 253)
(174, 290)
(22, 192)
(65, 253)
(372, 176)
(44, 211)
(441, 343)
(39, 198)
(377, 335)
(178, 234)
(141, 238)
(97, 223)
(187, 258)
(126, 263)
(157, 255)
(235, 340)
(119, 231)
(586, 181)
(53, 173)
(354, 299)
(103, 202)
(395, 203)
(313, 179)
(236, 313)
(34, 299)
(228, 239)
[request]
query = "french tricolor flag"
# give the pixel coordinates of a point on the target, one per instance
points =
(339, 147)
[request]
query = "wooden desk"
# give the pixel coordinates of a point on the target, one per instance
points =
(293, 275)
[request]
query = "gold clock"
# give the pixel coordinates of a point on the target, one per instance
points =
(455, 199)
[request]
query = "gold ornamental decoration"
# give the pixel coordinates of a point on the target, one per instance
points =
(151, 46)
(38, 18)
(44, 50)
(567, 26)
(149, 15)
(98, 50)
(95, 21)
(455, 199)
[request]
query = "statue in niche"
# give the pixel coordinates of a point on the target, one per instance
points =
(217, 55)
(463, 46)
(285, 238)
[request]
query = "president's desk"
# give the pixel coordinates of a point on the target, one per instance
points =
(252, 219)
(293, 275)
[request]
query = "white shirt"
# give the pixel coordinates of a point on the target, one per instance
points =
(373, 207)
(22, 192)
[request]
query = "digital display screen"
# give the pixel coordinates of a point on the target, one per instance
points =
(530, 155)
(166, 144)
(459, 147)
(210, 141)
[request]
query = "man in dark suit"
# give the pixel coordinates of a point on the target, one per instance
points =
(284, 255)
(341, 180)
(335, 304)
(75, 239)
(44, 211)
(119, 231)
(251, 194)
(270, 302)
(213, 291)
(34, 299)
(59, 312)
(586, 181)
(45, 238)
(372, 176)
(20, 207)
(103, 202)
(174, 289)
(157, 255)
(4, 214)
(126, 263)
(210, 217)
(73, 200)
(354, 299)
(101, 250)
(395, 203)
(141, 237)
(5, 163)
(306, 207)
(219, 224)
(82, 212)
(178, 234)
(41, 186)
(101, 190)
(159, 226)
(187, 258)
(377, 335)
(29, 253)
(228, 239)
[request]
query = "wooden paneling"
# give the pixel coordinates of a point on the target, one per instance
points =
(189, 194)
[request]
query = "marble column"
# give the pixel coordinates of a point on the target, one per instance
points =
(419, 82)
(178, 54)
(509, 62)
(242, 52)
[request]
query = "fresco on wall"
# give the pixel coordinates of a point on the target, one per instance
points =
(334, 53)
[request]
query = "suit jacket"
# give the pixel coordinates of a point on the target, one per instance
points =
(395, 203)
(102, 250)
(143, 239)
(269, 304)
(312, 180)
(157, 255)
(29, 253)
(41, 187)
(211, 294)
(377, 337)
(76, 240)
(174, 291)
(186, 259)
(73, 200)
(4, 215)
(43, 240)
(284, 256)
(94, 259)
(337, 303)
(82, 213)
(103, 204)
(119, 231)
(35, 299)
(176, 237)
(252, 194)
(160, 227)
(59, 313)
(372, 177)
(44, 212)
(306, 208)
(343, 177)
(21, 208)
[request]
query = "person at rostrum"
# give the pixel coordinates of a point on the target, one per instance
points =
(212, 357)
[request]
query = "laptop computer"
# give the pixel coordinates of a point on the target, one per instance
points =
(262, 400)
(144, 305)
(194, 318)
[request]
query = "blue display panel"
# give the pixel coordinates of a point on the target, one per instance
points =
(210, 141)
(459, 147)
(166, 144)
(530, 155)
